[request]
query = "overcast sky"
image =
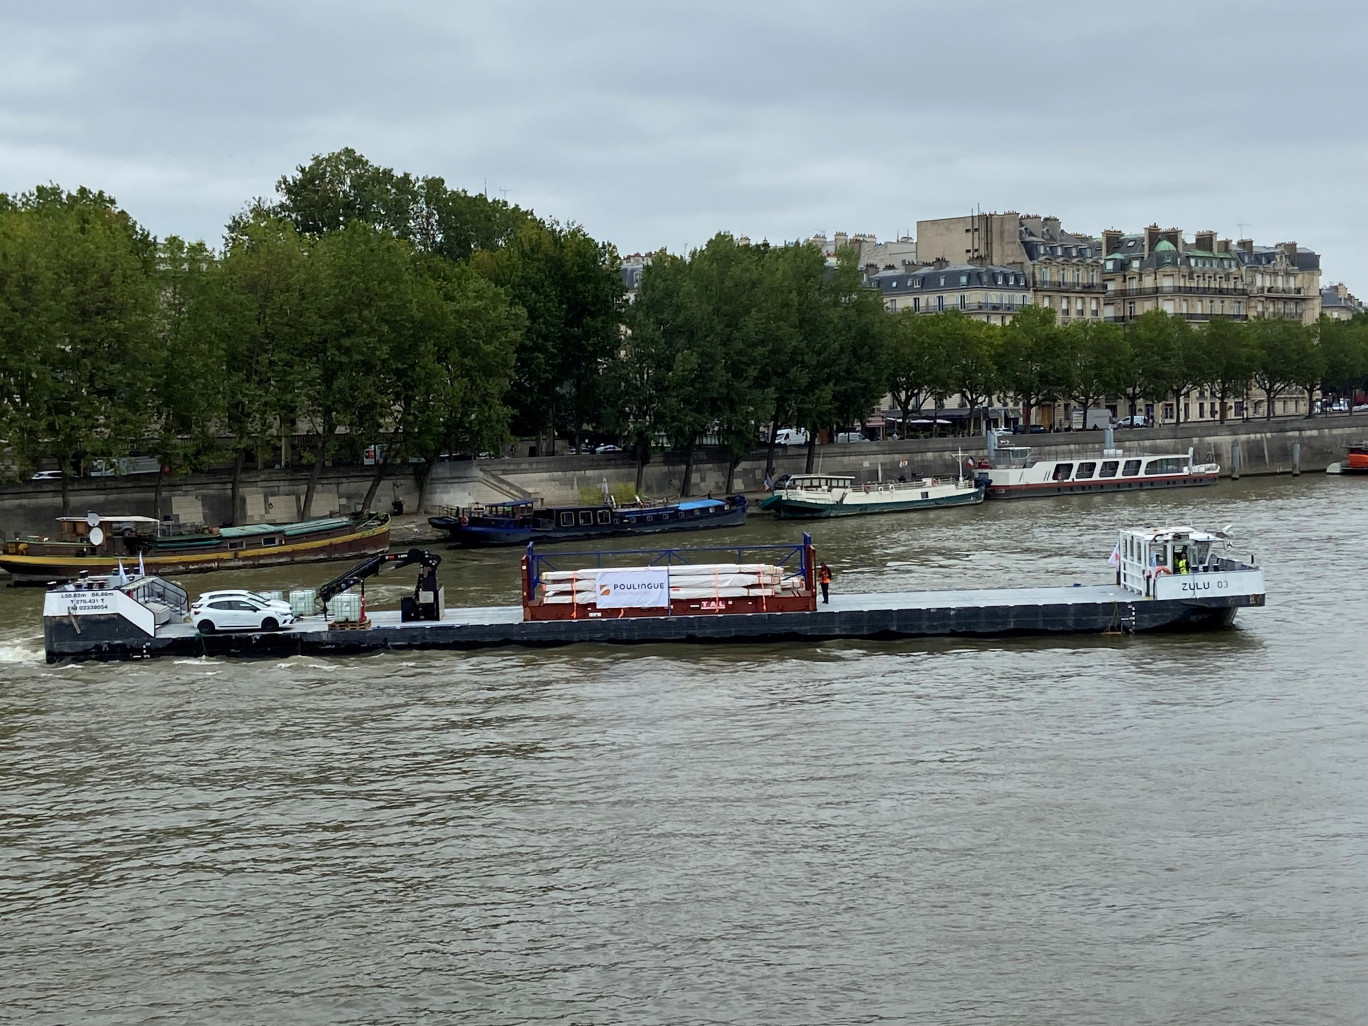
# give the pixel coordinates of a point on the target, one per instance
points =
(659, 124)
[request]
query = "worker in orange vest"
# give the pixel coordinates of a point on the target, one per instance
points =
(824, 579)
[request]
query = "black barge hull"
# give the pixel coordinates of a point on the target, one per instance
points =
(1004, 613)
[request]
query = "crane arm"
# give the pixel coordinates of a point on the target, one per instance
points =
(372, 566)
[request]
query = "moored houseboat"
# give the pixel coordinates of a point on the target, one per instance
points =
(96, 544)
(1012, 472)
(526, 520)
(810, 496)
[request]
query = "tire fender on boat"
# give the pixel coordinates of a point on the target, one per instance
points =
(465, 521)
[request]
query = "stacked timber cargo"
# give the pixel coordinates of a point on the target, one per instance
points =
(668, 590)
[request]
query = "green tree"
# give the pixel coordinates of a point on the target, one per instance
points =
(570, 288)
(917, 367)
(1281, 357)
(1225, 362)
(1035, 365)
(1101, 359)
(77, 304)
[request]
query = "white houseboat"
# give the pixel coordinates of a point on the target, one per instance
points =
(1012, 472)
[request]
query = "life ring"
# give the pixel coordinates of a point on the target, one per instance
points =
(1162, 571)
(465, 521)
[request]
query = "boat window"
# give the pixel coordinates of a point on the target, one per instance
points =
(567, 519)
(926, 495)
(272, 540)
(1085, 471)
(236, 545)
(604, 516)
(586, 517)
(1109, 468)
(1169, 465)
(1062, 471)
(1131, 469)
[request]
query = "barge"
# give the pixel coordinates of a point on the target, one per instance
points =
(92, 544)
(521, 521)
(1164, 579)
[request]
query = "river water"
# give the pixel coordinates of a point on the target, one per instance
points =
(1157, 829)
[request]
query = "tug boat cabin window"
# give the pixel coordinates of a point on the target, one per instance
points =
(1062, 471)
(1131, 469)
(1085, 471)
(586, 517)
(604, 517)
(567, 519)
(1109, 468)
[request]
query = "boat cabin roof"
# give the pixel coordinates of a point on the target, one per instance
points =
(829, 480)
(1163, 535)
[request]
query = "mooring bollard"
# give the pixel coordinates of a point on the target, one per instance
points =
(1234, 461)
(1296, 459)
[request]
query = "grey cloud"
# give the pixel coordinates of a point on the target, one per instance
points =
(657, 124)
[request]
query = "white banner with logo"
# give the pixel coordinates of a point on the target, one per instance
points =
(633, 589)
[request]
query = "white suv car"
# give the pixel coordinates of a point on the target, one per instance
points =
(239, 610)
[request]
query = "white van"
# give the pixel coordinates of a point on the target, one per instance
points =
(845, 437)
(791, 436)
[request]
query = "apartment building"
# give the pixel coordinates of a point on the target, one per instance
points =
(1338, 303)
(1207, 278)
(990, 292)
(1063, 269)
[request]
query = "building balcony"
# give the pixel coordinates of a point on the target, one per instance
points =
(1125, 319)
(1180, 290)
(1064, 286)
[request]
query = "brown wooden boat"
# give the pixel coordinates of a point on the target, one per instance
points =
(98, 544)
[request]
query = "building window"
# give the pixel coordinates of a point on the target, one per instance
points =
(940, 303)
(916, 304)
(963, 301)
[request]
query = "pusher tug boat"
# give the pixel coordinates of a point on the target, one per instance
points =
(1164, 578)
(1012, 472)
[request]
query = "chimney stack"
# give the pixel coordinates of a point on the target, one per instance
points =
(1111, 238)
(1152, 237)
(1205, 241)
(1247, 245)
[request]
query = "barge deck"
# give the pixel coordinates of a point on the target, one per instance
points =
(875, 615)
(1174, 578)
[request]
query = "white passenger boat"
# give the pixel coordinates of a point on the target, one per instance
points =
(1012, 472)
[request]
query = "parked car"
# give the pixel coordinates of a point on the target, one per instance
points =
(239, 610)
(845, 437)
(608, 447)
(1137, 421)
(47, 475)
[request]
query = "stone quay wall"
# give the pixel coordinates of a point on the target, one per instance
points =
(1266, 447)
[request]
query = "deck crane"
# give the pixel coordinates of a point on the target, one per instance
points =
(428, 601)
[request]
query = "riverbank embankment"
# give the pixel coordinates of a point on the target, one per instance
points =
(1265, 447)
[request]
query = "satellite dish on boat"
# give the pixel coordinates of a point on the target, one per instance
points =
(93, 519)
(96, 534)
